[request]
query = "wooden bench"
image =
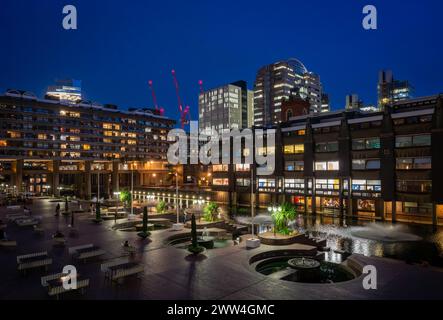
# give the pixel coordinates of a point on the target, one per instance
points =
(55, 288)
(86, 251)
(33, 260)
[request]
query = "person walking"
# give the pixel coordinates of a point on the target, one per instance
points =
(57, 210)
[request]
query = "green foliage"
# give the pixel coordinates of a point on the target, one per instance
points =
(285, 213)
(210, 212)
(125, 197)
(145, 233)
(194, 247)
(161, 207)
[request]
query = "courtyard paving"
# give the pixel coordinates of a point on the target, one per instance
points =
(222, 273)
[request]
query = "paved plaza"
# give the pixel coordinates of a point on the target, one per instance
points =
(170, 273)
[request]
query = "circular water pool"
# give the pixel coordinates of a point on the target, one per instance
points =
(185, 241)
(280, 268)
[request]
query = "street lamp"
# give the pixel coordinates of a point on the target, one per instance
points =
(117, 195)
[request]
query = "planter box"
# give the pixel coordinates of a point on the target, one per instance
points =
(177, 226)
(252, 243)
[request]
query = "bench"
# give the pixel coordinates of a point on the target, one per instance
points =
(8, 243)
(28, 221)
(13, 207)
(85, 251)
(120, 268)
(54, 283)
(16, 216)
(33, 260)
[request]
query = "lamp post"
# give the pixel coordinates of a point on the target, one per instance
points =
(252, 242)
(132, 189)
(117, 194)
(252, 199)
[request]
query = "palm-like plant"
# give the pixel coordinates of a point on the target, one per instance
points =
(125, 197)
(161, 206)
(210, 211)
(282, 216)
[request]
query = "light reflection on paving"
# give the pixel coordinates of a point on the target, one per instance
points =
(224, 273)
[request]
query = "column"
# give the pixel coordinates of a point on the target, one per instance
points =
(55, 177)
(87, 177)
(434, 214)
(18, 174)
(106, 185)
(115, 178)
(394, 211)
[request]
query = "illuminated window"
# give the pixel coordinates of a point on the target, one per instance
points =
(13, 134)
(414, 163)
(219, 167)
(294, 148)
(294, 165)
(86, 147)
(3, 143)
(294, 184)
(220, 181)
(326, 166)
(242, 167)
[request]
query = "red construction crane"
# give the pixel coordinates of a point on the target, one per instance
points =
(154, 98)
(184, 113)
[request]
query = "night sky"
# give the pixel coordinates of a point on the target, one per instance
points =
(120, 45)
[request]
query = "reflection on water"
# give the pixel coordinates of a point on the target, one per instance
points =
(405, 242)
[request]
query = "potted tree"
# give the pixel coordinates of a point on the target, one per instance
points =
(144, 233)
(194, 247)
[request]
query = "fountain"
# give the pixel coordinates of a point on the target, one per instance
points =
(302, 263)
(385, 233)
(205, 240)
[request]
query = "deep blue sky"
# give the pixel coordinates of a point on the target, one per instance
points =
(119, 45)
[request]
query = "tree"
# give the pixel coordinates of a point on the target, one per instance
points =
(194, 247)
(210, 211)
(144, 233)
(125, 197)
(282, 216)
